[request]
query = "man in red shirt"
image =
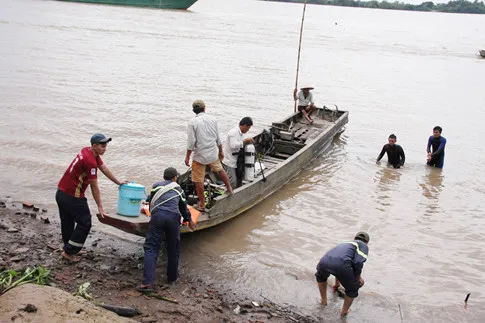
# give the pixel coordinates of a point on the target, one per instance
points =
(73, 206)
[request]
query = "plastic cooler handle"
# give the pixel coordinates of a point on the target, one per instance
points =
(145, 196)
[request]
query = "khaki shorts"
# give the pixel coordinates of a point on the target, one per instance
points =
(198, 170)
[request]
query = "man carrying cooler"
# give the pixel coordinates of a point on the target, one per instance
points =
(231, 147)
(73, 206)
(167, 203)
(345, 262)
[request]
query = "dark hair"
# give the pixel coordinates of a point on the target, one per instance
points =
(438, 128)
(246, 121)
(198, 110)
(362, 236)
(169, 173)
(392, 136)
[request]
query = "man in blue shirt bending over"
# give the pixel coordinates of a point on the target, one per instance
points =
(345, 262)
(436, 157)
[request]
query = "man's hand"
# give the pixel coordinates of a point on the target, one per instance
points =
(428, 158)
(378, 162)
(187, 161)
(124, 182)
(192, 225)
(102, 213)
(221, 155)
(248, 141)
(294, 93)
(361, 282)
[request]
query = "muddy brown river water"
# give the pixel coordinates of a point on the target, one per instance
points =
(68, 70)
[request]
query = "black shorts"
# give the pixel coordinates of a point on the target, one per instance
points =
(302, 107)
(344, 274)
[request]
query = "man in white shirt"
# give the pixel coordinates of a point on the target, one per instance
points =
(204, 142)
(305, 102)
(231, 146)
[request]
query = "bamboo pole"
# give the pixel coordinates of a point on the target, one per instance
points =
(299, 50)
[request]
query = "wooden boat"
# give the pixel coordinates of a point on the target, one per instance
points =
(482, 52)
(160, 4)
(285, 149)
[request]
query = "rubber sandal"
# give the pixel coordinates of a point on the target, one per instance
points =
(145, 289)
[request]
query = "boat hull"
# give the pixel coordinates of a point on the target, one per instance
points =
(245, 197)
(160, 4)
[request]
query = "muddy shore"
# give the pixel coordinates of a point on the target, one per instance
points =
(30, 236)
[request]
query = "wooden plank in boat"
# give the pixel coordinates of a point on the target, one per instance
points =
(271, 160)
(281, 156)
(301, 131)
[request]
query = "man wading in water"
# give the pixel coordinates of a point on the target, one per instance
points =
(73, 206)
(345, 262)
(395, 153)
(438, 143)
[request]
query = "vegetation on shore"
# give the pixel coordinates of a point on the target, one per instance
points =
(458, 6)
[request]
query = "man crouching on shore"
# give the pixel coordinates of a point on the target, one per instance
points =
(345, 262)
(73, 206)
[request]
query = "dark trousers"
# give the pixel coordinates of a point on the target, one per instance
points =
(343, 272)
(437, 161)
(75, 221)
(160, 223)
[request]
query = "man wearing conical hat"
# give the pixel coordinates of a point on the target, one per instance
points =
(305, 102)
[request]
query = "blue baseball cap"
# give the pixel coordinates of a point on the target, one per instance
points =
(99, 138)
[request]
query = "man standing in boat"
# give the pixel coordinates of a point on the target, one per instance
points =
(205, 144)
(73, 206)
(395, 153)
(232, 146)
(167, 202)
(305, 102)
(345, 262)
(436, 157)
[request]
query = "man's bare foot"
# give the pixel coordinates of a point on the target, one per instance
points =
(323, 302)
(343, 314)
(70, 258)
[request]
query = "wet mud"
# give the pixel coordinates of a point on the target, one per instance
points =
(30, 236)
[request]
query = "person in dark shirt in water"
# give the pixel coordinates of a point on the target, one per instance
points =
(436, 157)
(395, 153)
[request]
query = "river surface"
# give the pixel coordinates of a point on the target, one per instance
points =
(68, 70)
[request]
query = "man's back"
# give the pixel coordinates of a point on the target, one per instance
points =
(353, 254)
(203, 138)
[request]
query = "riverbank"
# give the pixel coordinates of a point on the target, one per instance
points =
(30, 236)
